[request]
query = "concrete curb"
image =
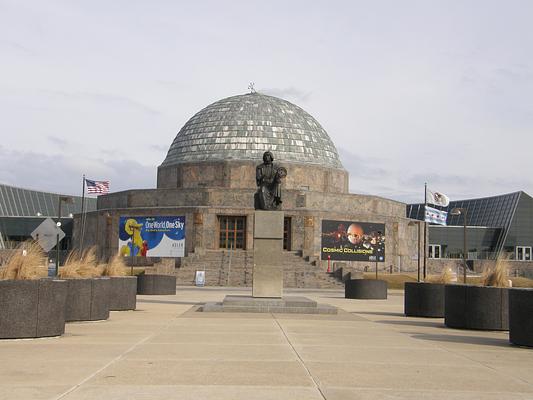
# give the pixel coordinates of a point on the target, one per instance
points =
(365, 289)
(32, 308)
(476, 307)
(123, 293)
(88, 299)
(520, 317)
(156, 284)
(424, 299)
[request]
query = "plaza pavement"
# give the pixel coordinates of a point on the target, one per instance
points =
(166, 350)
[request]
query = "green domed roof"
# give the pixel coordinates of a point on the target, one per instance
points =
(244, 127)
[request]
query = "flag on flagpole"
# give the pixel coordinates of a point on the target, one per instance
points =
(435, 216)
(437, 198)
(98, 187)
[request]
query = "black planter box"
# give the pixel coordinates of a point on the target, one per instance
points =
(422, 299)
(476, 307)
(521, 317)
(88, 299)
(32, 308)
(156, 284)
(123, 293)
(365, 289)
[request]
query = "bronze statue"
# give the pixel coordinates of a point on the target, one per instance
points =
(268, 177)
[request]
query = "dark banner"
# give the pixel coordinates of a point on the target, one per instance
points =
(353, 241)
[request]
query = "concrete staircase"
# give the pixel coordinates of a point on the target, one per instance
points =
(235, 268)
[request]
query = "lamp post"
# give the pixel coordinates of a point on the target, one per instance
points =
(412, 223)
(68, 200)
(463, 212)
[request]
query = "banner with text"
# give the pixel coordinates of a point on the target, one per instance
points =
(353, 241)
(152, 236)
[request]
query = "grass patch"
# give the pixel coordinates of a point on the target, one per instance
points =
(396, 281)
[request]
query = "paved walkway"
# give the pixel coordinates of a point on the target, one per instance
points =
(165, 350)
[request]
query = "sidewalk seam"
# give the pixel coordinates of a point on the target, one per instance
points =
(317, 385)
(119, 357)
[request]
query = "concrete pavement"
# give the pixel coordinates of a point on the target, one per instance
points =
(166, 350)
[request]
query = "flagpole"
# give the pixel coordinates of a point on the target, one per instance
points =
(425, 226)
(82, 227)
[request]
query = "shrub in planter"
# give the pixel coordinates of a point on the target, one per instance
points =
(156, 284)
(479, 307)
(521, 317)
(88, 292)
(123, 292)
(30, 306)
(426, 299)
(365, 289)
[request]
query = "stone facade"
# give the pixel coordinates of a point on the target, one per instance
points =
(241, 175)
(201, 208)
(209, 173)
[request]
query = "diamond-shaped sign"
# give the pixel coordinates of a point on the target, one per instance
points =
(46, 234)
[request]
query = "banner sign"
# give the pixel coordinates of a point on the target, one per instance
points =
(353, 241)
(152, 236)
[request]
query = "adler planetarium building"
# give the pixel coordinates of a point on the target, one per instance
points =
(201, 215)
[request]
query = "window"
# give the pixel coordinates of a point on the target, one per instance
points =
(287, 236)
(434, 251)
(523, 253)
(232, 232)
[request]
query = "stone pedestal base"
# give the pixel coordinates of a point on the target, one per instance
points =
(268, 248)
(286, 305)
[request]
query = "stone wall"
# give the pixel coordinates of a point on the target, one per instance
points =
(241, 175)
(201, 208)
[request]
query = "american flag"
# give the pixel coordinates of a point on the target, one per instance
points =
(99, 187)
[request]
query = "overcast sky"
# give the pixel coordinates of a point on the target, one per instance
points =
(409, 91)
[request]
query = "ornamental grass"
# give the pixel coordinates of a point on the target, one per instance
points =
(28, 261)
(446, 277)
(115, 267)
(81, 265)
(497, 276)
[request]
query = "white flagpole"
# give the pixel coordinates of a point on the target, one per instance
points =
(425, 227)
(82, 228)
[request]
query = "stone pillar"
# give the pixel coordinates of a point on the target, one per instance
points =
(268, 250)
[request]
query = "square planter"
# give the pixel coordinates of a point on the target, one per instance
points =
(88, 299)
(521, 317)
(123, 293)
(32, 308)
(365, 289)
(476, 307)
(156, 284)
(423, 299)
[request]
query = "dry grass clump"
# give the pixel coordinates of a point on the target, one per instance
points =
(115, 266)
(446, 277)
(81, 266)
(28, 261)
(497, 276)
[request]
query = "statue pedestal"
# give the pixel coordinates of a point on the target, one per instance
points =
(268, 252)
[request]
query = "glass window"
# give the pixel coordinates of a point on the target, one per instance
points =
(232, 232)
(434, 251)
(287, 233)
(523, 253)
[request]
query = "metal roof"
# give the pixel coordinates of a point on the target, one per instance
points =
(244, 127)
(18, 202)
